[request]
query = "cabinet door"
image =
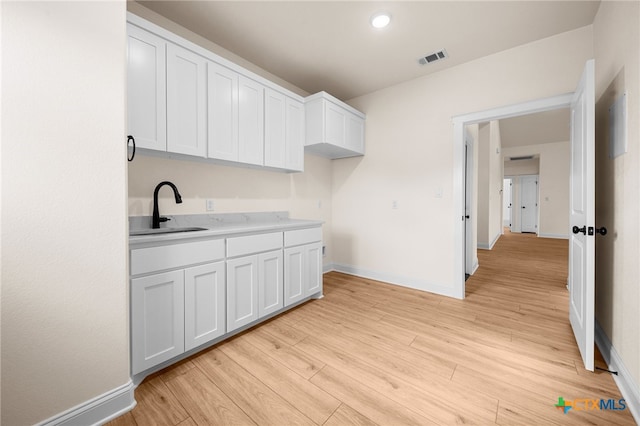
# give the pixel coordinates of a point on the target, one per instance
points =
(335, 124)
(222, 114)
(270, 282)
(274, 129)
(355, 133)
(186, 102)
(251, 118)
(295, 135)
(204, 304)
(242, 291)
(294, 275)
(313, 268)
(157, 319)
(146, 89)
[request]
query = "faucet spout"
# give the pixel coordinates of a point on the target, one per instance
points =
(156, 213)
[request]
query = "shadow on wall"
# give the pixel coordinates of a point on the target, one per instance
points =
(605, 201)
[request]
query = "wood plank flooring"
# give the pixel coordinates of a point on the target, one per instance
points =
(372, 353)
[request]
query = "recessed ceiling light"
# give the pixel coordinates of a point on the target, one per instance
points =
(380, 19)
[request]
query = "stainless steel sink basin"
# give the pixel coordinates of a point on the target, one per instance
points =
(164, 231)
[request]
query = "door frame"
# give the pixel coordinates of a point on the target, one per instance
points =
(459, 172)
(471, 209)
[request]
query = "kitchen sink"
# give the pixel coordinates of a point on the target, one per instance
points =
(161, 231)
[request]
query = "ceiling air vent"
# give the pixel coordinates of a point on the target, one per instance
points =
(525, 157)
(433, 57)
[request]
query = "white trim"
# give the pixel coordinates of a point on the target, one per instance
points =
(558, 236)
(490, 246)
(395, 279)
(476, 265)
(459, 122)
(327, 268)
(624, 380)
(98, 410)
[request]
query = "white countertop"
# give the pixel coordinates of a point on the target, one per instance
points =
(218, 225)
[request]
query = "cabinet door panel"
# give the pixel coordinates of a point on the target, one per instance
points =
(205, 304)
(157, 319)
(251, 118)
(222, 132)
(242, 291)
(294, 276)
(313, 268)
(186, 102)
(355, 133)
(295, 135)
(146, 89)
(274, 129)
(270, 282)
(335, 125)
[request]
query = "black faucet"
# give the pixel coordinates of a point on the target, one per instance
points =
(156, 214)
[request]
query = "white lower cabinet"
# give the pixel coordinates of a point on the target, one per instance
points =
(187, 294)
(242, 291)
(254, 287)
(270, 294)
(204, 301)
(303, 272)
(157, 319)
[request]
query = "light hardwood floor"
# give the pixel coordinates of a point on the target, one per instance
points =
(373, 353)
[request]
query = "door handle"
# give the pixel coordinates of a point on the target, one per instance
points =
(523, 207)
(602, 231)
(467, 216)
(577, 230)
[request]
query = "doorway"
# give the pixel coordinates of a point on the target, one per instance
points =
(460, 160)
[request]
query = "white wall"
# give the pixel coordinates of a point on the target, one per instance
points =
(234, 189)
(410, 156)
(521, 167)
(617, 54)
(553, 185)
(490, 166)
(64, 230)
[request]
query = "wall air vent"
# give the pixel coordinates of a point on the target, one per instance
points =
(433, 57)
(524, 157)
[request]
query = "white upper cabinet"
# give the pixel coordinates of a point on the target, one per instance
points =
(251, 122)
(146, 89)
(333, 128)
(186, 102)
(283, 131)
(222, 100)
(184, 99)
(274, 129)
(294, 141)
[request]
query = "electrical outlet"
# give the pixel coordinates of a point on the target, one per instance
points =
(394, 204)
(210, 205)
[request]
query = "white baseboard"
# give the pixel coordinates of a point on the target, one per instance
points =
(327, 268)
(628, 387)
(395, 279)
(98, 410)
(484, 246)
(558, 236)
(476, 265)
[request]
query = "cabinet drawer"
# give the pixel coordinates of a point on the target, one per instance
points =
(302, 236)
(240, 246)
(152, 259)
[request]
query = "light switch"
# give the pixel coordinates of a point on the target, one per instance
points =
(209, 205)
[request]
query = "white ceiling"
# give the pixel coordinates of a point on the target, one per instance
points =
(533, 129)
(330, 46)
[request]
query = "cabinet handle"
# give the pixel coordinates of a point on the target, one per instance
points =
(133, 153)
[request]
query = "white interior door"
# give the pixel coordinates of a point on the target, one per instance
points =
(529, 204)
(582, 216)
(507, 199)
